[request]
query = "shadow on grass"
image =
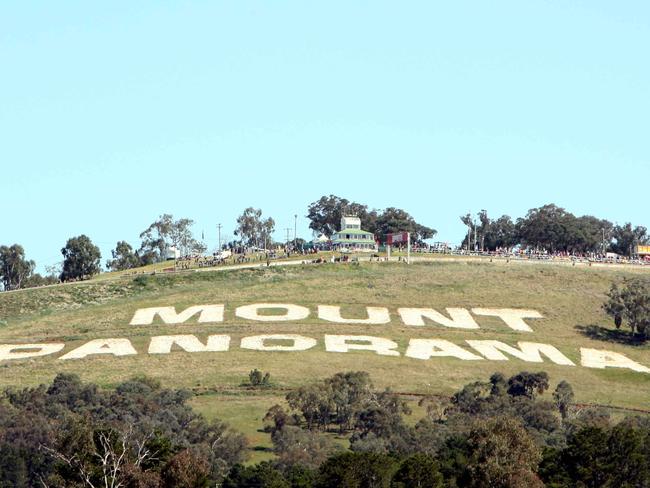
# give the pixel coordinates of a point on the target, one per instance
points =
(618, 336)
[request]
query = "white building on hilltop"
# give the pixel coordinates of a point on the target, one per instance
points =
(352, 237)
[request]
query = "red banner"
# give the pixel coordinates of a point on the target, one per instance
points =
(396, 238)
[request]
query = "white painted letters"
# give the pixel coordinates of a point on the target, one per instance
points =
(513, 317)
(428, 348)
(209, 313)
(346, 343)
(22, 351)
(189, 343)
(376, 315)
(258, 343)
(116, 347)
(293, 312)
(595, 358)
(418, 348)
(528, 351)
(460, 318)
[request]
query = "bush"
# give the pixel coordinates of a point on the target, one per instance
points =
(256, 378)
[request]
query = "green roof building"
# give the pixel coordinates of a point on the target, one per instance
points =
(352, 237)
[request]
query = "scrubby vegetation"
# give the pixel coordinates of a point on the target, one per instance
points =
(73, 434)
(503, 432)
(499, 433)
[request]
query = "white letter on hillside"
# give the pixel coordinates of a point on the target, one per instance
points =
(332, 313)
(209, 313)
(460, 318)
(189, 343)
(11, 351)
(512, 317)
(293, 312)
(257, 343)
(528, 351)
(428, 348)
(594, 358)
(339, 343)
(116, 347)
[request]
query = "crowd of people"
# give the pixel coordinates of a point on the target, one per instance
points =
(243, 255)
(545, 255)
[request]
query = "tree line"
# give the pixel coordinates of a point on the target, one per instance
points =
(82, 258)
(503, 432)
(549, 228)
(553, 229)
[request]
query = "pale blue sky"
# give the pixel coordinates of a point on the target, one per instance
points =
(113, 114)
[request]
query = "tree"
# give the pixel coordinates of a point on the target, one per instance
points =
(600, 456)
(528, 384)
(397, 220)
(296, 446)
(627, 237)
(325, 218)
(563, 397)
(349, 394)
(383, 413)
(469, 223)
(314, 402)
(123, 257)
(501, 233)
(300, 477)
(98, 456)
(186, 470)
(325, 214)
(197, 247)
(590, 234)
(155, 238)
(502, 454)
(554, 229)
(277, 417)
(252, 229)
(630, 303)
(166, 232)
(418, 471)
(15, 270)
(545, 227)
(262, 475)
(181, 235)
(80, 258)
(357, 469)
(490, 234)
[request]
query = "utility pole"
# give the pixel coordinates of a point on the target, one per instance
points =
(288, 229)
(219, 231)
(408, 248)
(469, 229)
(295, 223)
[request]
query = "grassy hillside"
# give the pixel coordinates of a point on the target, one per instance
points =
(568, 298)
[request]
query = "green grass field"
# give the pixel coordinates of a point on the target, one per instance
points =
(569, 299)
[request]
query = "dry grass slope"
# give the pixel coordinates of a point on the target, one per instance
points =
(569, 299)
